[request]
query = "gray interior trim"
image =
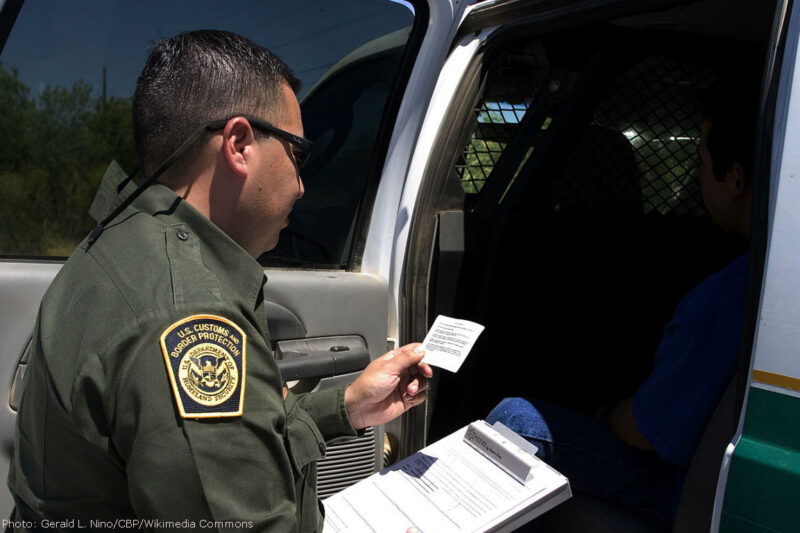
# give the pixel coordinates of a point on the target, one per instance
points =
(334, 303)
(321, 357)
(22, 285)
(283, 324)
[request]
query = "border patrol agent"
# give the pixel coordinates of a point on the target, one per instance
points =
(151, 391)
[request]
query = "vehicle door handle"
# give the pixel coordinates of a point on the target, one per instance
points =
(15, 394)
(321, 357)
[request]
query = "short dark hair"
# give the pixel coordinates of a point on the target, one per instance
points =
(199, 76)
(730, 105)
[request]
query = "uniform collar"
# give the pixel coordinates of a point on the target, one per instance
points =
(221, 254)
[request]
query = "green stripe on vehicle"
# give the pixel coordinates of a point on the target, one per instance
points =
(764, 479)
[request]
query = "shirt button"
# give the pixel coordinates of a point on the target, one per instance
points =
(183, 234)
(322, 449)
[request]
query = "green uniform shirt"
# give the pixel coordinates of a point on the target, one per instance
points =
(100, 431)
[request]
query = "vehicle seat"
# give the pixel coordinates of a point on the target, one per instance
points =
(597, 172)
(575, 254)
(585, 513)
(696, 504)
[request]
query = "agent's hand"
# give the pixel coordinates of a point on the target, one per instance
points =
(388, 387)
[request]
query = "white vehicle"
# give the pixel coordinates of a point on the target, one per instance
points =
(526, 164)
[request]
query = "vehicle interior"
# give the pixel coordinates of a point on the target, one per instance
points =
(564, 213)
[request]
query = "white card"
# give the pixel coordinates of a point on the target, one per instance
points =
(449, 341)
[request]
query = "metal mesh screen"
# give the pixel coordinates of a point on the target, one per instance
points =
(640, 150)
(655, 106)
(513, 83)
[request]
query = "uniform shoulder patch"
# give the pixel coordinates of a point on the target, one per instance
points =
(205, 356)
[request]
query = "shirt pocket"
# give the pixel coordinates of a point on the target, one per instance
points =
(305, 445)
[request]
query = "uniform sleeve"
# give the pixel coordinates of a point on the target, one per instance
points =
(230, 473)
(327, 409)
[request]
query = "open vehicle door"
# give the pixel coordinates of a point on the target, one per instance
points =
(760, 479)
(67, 74)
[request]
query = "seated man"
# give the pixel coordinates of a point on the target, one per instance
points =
(636, 454)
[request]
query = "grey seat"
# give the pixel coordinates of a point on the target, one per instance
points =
(696, 504)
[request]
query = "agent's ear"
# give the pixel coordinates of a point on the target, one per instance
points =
(738, 180)
(237, 141)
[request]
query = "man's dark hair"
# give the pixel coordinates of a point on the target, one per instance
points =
(199, 76)
(730, 106)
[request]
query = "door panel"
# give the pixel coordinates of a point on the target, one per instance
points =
(343, 314)
(22, 285)
(344, 318)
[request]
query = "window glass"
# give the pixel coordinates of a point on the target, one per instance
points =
(342, 115)
(67, 75)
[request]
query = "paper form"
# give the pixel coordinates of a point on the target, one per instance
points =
(449, 341)
(447, 487)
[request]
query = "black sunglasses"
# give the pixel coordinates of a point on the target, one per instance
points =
(301, 148)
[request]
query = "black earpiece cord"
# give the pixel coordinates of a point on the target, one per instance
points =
(98, 230)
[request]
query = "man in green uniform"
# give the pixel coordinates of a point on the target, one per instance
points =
(151, 390)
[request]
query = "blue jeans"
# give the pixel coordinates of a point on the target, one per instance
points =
(591, 457)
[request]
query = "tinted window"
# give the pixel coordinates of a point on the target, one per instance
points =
(67, 75)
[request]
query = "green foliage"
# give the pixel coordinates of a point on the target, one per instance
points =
(54, 152)
(481, 156)
(15, 107)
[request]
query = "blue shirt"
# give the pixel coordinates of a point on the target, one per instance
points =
(694, 363)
